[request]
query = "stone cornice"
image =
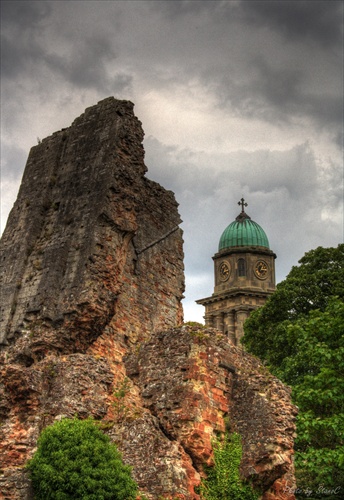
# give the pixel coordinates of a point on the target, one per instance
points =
(235, 292)
(240, 250)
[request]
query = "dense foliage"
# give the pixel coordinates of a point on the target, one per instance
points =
(223, 481)
(76, 460)
(300, 335)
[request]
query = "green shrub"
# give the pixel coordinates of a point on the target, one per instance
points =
(223, 481)
(75, 460)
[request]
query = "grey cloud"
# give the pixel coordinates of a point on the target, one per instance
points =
(320, 21)
(279, 86)
(316, 20)
(86, 65)
(13, 161)
(338, 137)
(13, 58)
(25, 14)
(278, 93)
(175, 9)
(273, 60)
(285, 191)
(21, 22)
(81, 69)
(189, 174)
(246, 79)
(269, 93)
(81, 59)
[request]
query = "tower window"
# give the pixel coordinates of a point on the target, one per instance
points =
(241, 267)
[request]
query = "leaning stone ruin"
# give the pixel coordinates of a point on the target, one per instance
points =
(92, 280)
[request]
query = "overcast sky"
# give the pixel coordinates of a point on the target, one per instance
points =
(237, 99)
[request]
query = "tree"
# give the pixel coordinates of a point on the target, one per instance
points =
(76, 460)
(316, 373)
(307, 287)
(300, 335)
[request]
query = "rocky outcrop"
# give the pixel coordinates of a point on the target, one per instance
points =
(211, 387)
(92, 281)
(88, 228)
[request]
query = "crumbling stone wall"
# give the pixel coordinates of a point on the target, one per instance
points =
(92, 281)
(210, 387)
(86, 223)
(91, 263)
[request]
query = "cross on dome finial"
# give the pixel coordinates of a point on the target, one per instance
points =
(243, 204)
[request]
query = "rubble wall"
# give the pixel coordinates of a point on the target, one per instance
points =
(92, 278)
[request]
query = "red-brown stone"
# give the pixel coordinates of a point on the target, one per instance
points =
(92, 278)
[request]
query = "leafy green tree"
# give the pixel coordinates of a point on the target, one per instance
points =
(223, 481)
(316, 373)
(307, 287)
(300, 335)
(75, 460)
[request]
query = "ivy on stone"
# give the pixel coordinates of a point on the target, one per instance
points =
(223, 481)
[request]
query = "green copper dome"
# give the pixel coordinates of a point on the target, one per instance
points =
(243, 232)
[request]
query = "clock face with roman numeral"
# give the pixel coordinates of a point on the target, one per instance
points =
(224, 270)
(261, 270)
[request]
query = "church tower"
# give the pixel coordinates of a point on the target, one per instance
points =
(244, 269)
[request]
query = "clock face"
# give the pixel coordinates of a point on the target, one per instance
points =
(261, 270)
(224, 271)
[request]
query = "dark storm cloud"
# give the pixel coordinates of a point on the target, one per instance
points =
(274, 60)
(197, 39)
(28, 51)
(281, 93)
(20, 23)
(320, 21)
(24, 14)
(269, 93)
(86, 63)
(175, 9)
